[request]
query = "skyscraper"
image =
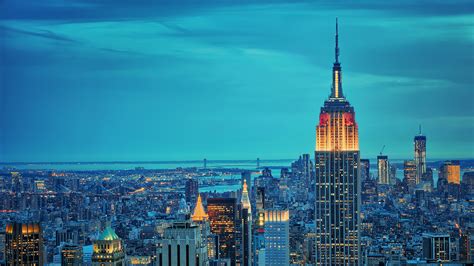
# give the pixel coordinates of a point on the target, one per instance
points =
(201, 218)
(337, 178)
(247, 176)
(420, 156)
(191, 190)
(182, 244)
(409, 174)
(277, 235)
(222, 216)
(71, 255)
(108, 249)
(24, 244)
(364, 169)
(383, 169)
(246, 218)
(436, 247)
(451, 171)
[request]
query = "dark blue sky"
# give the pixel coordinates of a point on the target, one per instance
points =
(153, 80)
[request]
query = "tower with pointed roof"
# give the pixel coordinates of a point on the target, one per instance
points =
(246, 220)
(108, 249)
(337, 162)
(199, 214)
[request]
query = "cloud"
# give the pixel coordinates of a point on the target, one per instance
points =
(111, 81)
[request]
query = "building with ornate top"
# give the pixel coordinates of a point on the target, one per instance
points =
(337, 163)
(108, 249)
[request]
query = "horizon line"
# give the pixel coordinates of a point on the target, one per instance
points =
(193, 161)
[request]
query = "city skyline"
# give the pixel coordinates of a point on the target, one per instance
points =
(74, 88)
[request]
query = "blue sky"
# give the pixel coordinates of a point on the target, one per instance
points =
(157, 80)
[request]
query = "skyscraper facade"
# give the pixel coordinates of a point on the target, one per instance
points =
(383, 169)
(222, 217)
(436, 247)
(420, 156)
(182, 245)
(364, 169)
(337, 163)
(191, 190)
(277, 247)
(451, 171)
(71, 255)
(409, 173)
(24, 244)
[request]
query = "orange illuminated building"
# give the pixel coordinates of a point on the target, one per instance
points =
(451, 171)
(24, 244)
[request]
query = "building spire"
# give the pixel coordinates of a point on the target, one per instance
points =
(245, 196)
(336, 92)
(337, 42)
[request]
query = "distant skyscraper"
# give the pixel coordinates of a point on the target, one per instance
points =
(364, 169)
(428, 178)
(420, 156)
(182, 244)
(277, 235)
(337, 178)
(409, 173)
(191, 190)
(108, 249)
(383, 169)
(436, 247)
(222, 216)
(71, 255)
(246, 218)
(451, 171)
(17, 182)
(24, 244)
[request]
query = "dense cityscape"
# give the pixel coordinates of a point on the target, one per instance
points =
(337, 208)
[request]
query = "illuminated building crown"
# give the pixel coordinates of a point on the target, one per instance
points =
(337, 129)
(245, 196)
(199, 214)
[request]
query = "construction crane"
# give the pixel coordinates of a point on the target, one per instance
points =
(381, 151)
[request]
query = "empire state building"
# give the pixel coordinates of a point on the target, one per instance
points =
(337, 178)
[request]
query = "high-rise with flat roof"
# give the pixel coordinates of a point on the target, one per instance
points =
(71, 255)
(222, 217)
(451, 171)
(383, 169)
(24, 244)
(277, 235)
(191, 190)
(436, 247)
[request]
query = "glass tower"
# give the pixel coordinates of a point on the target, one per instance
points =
(337, 178)
(420, 156)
